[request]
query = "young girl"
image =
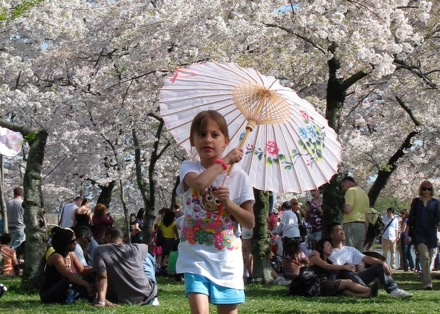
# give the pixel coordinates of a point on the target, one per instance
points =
(293, 258)
(327, 272)
(209, 252)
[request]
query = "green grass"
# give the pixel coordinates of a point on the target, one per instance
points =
(259, 299)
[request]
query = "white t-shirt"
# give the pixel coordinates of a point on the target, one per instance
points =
(79, 252)
(209, 246)
(346, 255)
(179, 225)
(67, 213)
(288, 226)
(391, 231)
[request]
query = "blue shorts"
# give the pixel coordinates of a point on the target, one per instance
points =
(217, 294)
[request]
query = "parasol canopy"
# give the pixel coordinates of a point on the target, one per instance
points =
(287, 145)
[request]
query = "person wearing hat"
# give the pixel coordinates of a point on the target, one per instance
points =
(288, 227)
(390, 236)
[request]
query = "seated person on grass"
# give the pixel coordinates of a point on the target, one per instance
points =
(58, 274)
(378, 271)
(10, 263)
(293, 258)
(120, 277)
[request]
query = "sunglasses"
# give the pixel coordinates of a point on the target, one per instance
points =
(294, 203)
(426, 189)
(73, 240)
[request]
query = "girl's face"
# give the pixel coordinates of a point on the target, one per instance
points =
(210, 143)
(327, 249)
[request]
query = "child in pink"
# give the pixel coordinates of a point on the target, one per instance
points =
(9, 257)
(293, 259)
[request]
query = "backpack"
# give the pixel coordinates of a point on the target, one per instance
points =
(378, 225)
(375, 228)
(307, 283)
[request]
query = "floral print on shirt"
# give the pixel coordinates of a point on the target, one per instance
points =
(202, 225)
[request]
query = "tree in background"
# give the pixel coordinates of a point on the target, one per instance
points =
(89, 73)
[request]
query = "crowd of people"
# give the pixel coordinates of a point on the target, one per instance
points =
(207, 245)
(403, 233)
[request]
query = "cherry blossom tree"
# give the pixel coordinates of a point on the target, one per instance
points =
(89, 73)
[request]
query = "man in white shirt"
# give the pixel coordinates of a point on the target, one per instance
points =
(67, 212)
(390, 236)
(378, 270)
(288, 226)
(85, 244)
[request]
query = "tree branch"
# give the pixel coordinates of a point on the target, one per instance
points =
(416, 70)
(297, 35)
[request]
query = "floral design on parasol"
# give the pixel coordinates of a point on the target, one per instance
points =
(288, 146)
(10, 142)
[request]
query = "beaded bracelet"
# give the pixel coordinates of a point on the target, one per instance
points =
(222, 163)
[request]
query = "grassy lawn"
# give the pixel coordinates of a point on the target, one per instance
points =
(259, 299)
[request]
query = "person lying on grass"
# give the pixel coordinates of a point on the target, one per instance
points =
(378, 270)
(326, 271)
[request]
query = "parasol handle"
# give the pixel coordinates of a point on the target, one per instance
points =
(249, 127)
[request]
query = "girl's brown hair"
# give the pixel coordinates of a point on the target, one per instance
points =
(200, 122)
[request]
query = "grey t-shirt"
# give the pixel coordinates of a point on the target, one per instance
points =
(127, 282)
(15, 214)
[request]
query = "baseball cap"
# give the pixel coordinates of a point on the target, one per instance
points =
(287, 205)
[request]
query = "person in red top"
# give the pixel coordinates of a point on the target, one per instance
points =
(10, 262)
(293, 259)
(102, 222)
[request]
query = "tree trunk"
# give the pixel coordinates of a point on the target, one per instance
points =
(336, 92)
(261, 240)
(385, 173)
(125, 209)
(333, 202)
(4, 214)
(174, 194)
(148, 191)
(36, 237)
(105, 196)
(142, 185)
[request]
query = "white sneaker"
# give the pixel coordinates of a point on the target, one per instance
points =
(282, 281)
(400, 294)
(286, 282)
(155, 302)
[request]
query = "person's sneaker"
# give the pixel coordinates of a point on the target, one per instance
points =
(400, 294)
(3, 289)
(155, 302)
(282, 281)
(286, 282)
